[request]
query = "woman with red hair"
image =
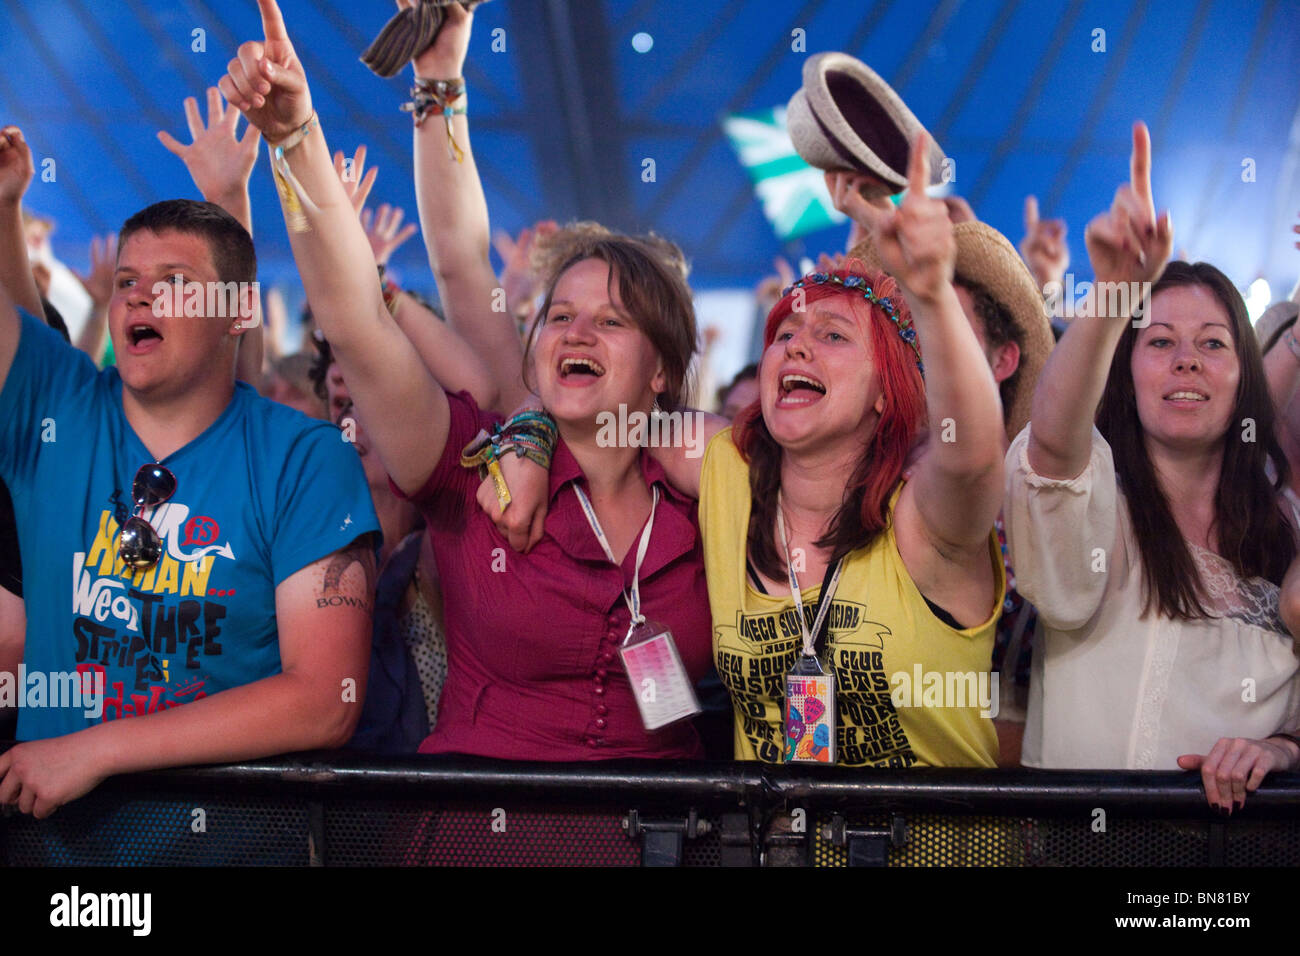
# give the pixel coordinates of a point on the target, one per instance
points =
(825, 565)
(842, 403)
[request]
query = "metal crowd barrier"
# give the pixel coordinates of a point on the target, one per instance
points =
(347, 809)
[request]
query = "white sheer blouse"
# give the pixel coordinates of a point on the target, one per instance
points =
(1109, 689)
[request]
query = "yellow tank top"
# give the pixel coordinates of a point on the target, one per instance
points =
(910, 689)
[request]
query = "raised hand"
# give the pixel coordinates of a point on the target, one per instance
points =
(445, 59)
(849, 192)
(103, 261)
(16, 166)
(266, 82)
(1044, 248)
(355, 184)
(1128, 243)
(385, 232)
(769, 289)
(959, 210)
(517, 276)
(219, 162)
(828, 263)
(913, 240)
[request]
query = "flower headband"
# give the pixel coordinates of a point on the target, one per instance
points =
(906, 330)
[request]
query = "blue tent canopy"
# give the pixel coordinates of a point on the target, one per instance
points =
(1025, 97)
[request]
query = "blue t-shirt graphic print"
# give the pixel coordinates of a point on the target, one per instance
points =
(261, 493)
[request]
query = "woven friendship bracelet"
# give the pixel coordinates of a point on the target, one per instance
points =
(290, 190)
(529, 434)
(444, 96)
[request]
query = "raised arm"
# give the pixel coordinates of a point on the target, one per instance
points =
(454, 219)
(16, 171)
(452, 361)
(98, 283)
(956, 486)
(1044, 248)
(1127, 244)
(404, 407)
(221, 164)
(323, 644)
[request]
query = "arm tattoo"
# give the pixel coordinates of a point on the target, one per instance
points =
(337, 588)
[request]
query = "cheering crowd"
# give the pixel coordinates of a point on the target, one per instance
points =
(422, 537)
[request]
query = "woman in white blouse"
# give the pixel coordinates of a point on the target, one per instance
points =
(1159, 553)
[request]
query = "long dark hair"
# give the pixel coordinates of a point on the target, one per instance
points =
(1252, 533)
(864, 513)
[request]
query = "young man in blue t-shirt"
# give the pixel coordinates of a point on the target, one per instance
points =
(253, 608)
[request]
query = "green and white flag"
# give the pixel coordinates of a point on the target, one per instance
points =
(793, 194)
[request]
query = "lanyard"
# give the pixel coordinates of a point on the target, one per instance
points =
(829, 584)
(633, 600)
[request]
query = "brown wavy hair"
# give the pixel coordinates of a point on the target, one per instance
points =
(655, 297)
(1253, 534)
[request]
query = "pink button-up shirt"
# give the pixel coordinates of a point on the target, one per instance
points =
(533, 671)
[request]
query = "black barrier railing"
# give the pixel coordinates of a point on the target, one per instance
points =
(349, 809)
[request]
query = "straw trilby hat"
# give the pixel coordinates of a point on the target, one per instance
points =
(847, 117)
(987, 258)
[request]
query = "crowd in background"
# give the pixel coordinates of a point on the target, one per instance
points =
(440, 550)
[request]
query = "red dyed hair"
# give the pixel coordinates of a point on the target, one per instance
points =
(864, 513)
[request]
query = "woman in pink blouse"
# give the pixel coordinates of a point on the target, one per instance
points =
(532, 640)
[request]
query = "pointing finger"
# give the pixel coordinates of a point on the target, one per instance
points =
(918, 165)
(1031, 213)
(1140, 165)
(272, 20)
(784, 270)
